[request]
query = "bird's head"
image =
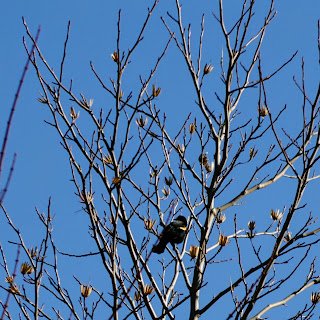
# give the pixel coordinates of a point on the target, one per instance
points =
(183, 221)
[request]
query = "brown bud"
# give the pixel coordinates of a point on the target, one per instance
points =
(152, 134)
(84, 197)
(137, 296)
(73, 114)
(85, 103)
(14, 288)
(208, 167)
(33, 252)
(153, 173)
(42, 100)
(288, 236)
(181, 148)
(9, 279)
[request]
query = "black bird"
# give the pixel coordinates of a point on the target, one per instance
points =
(174, 232)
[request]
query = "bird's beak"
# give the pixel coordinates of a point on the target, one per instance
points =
(183, 228)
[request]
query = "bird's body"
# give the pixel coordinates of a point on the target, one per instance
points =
(175, 232)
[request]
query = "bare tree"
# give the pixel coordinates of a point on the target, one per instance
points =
(205, 168)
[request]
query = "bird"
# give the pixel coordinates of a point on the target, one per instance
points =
(174, 232)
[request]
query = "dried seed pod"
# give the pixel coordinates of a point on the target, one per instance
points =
(207, 68)
(223, 240)
(251, 225)
(116, 180)
(315, 297)
(194, 251)
(86, 291)
(149, 224)
(276, 215)
(107, 159)
(155, 91)
(166, 192)
(253, 153)
(263, 111)
(192, 128)
(168, 181)
(141, 122)
(26, 268)
(203, 159)
(115, 56)
(148, 289)
(220, 218)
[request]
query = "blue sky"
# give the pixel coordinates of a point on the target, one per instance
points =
(42, 168)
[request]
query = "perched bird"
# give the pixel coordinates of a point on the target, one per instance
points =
(175, 232)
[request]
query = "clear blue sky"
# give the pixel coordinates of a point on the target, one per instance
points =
(42, 168)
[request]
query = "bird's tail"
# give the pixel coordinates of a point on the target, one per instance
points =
(159, 248)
